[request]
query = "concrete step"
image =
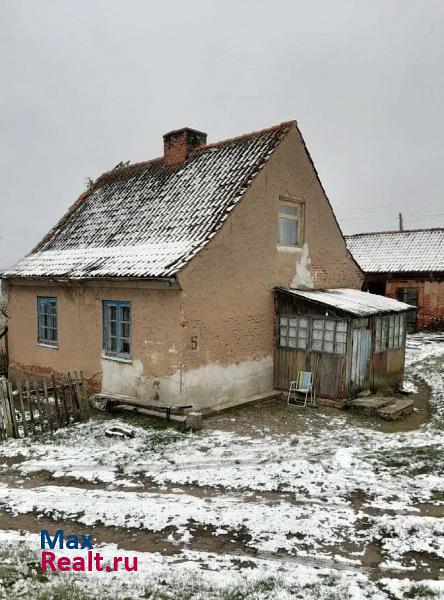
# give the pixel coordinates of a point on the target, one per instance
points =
(369, 406)
(396, 410)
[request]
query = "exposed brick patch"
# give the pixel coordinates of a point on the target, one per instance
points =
(430, 313)
(18, 373)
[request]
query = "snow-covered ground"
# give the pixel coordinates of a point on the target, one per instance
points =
(331, 506)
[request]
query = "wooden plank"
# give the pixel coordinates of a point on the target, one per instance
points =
(47, 406)
(2, 421)
(56, 403)
(2, 416)
(22, 411)
(74, 398)
(8, 427)
(70, 396)
(80, 399)
(63, 391)
(12, 411)
(39, 406)
(31, 410)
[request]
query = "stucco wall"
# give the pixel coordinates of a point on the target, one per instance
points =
(228, 298)
(156, 335)
(210, 343)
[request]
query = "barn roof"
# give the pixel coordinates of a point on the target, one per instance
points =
(148, 219)
(354, 302)
(417, 250)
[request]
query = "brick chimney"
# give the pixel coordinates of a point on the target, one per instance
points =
(178, 145)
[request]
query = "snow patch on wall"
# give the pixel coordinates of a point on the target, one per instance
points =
(303, 277)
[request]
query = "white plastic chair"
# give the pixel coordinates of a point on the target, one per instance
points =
(302, 385)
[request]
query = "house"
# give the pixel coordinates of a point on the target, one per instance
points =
(407, 265)
(159, 281)
(350, 340)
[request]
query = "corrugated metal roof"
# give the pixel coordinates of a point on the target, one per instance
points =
(149, 220)
(398, 251)
(354, 302)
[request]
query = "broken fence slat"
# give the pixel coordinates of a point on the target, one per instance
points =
(12, 411)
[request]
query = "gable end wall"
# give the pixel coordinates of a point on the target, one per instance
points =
(228, 299)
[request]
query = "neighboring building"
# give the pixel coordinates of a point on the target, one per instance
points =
(408, 266)
(159, 281)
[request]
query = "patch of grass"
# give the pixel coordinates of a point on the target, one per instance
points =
(420, 591)
(18, 563)
(416, 460)
(67, 590)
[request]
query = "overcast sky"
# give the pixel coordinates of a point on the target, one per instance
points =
(89, 83)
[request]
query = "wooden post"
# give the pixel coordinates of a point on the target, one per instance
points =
(39, 405)
(3, 435)
(74, 404)
(56, 402)
(64, 401)
(22, 411)
(31, 411)
(47, 406)
(12, 411)
(7, 421)
(78, 394)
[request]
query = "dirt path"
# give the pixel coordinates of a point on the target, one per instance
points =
(303, 460)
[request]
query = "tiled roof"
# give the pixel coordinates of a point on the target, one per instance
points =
(354, 302)
(149, 220)
(398, 251)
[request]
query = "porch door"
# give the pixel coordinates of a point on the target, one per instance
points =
(361, 354)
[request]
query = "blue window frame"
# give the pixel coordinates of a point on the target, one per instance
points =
(47, 320)
(117, 328)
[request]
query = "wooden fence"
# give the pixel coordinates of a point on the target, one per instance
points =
(40, 405)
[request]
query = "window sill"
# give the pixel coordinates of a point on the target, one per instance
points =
(128, 361)
(52, 346)
(290, 249)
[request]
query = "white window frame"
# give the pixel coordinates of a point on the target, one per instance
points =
(322, 334)
(299, 218)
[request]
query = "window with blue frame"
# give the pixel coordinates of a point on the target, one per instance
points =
(47, 320)
(117, 328)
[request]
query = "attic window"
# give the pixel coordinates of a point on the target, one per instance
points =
(290, 222)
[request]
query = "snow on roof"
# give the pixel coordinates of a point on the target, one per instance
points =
(148, 219)
(398, 251)
(355, 302)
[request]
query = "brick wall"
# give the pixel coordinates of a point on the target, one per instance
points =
(430, 300)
